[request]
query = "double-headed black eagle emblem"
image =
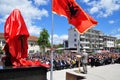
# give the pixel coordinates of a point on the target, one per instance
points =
(72, 9)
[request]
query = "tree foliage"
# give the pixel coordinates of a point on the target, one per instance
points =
(58, 46)
(43, 40)
(1, 51)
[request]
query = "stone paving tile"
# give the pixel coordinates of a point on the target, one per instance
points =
(107, 72)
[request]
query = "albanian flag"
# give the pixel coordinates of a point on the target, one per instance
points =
(74, 13)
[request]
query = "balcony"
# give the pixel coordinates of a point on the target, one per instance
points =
(84, 42)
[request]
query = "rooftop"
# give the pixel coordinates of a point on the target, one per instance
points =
(31, 38)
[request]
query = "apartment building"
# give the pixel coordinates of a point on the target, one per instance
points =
(92, 40)
(32, 43)
(109, 42)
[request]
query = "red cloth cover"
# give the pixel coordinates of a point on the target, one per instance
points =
(16, 35)
(15, 30)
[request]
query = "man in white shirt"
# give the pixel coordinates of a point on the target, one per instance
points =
(84, 61)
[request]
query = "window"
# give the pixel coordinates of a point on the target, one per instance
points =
(75, 45)
(74, 34)
(3, 42)
(75, 40)
(31, 44)
(31, 51)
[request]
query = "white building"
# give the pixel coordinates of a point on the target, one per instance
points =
(32, 43)
(92, 40)
(109, 42)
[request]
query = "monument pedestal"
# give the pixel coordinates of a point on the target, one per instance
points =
(74, 76)
(23, 73)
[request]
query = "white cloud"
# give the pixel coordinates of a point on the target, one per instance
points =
(94, 10)
(118, 29)
(111, 22)
(59, 39)
(116, 32)
(117, 35)
(41, 2)
(1, 20)
(103, 8)
(34, 30)
(85, 1)
(29, 11)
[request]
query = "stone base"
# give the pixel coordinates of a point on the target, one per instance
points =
(23, 73)
(74, 76)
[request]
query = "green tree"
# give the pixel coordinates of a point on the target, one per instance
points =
(1, 51)
(43, 40)
(58, 45)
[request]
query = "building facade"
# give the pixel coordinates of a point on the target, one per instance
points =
(92, 40)
(109, 42)
(32, 43)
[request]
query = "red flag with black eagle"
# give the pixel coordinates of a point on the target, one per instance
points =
(74, 13)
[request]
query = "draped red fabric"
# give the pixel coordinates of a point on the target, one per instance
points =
(16, 35)
(74, 13)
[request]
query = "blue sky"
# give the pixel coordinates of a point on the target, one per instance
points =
(37, 15)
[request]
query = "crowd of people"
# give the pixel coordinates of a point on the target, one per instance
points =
(60, 61)
(103, 59)
(69, 60)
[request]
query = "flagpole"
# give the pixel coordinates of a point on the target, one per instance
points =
(78, 43)
(78, 50)
(52, 30)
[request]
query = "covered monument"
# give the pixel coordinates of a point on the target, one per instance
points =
(16, 51)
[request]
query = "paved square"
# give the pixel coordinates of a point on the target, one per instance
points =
(106, 72)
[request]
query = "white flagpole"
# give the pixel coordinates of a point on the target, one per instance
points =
(78, 43)
(78, 50)
(52, 30)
